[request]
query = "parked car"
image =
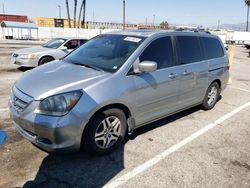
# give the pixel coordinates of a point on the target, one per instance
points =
(247, 45)
(114, 84)
(54, 49)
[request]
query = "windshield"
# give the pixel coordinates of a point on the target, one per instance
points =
(107, 52)
(54, 43)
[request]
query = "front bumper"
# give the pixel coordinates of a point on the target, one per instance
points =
(24, 62)
(49, 133)
(51, 140)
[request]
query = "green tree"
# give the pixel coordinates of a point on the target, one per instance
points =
(164, 25)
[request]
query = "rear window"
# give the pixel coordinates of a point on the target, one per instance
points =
(213, 48)
(189, 49)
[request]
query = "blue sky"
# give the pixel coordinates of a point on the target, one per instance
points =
(199, 12)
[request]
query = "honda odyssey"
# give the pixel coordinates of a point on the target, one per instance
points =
(114, 84)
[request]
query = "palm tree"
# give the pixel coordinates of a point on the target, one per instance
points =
(75, 9)
(82, 9)
(67, 7)
(248, 4)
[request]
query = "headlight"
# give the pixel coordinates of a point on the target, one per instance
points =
(59, 105)
(27, 56)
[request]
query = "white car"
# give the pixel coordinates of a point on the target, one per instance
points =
(54, 49)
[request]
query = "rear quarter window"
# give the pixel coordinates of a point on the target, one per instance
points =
(213, 48)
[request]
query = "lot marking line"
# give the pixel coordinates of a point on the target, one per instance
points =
(4, 109)
(151, 162)
(241, 89)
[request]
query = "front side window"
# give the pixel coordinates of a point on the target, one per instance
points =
(161, 52)
(189, 50)
(106, 52)
(213, 48)
(72, 44)
(54, 43)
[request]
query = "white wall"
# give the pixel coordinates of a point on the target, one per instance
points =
(50, 32)
(1, 33)
(241, 36)
(236, 36)
(47, 32)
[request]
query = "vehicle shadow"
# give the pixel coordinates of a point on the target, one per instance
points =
(78, 170)
(82, 170)
(162, 122)
(24, 69)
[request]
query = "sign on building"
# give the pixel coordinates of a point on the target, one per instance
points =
(59, 23)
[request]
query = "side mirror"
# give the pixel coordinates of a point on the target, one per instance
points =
(64, 48)
(147, 66)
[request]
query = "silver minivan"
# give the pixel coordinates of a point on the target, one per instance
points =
(114, 84)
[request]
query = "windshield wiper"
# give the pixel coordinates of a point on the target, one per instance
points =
(90, 66)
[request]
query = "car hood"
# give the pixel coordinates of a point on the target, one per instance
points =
(57, 77)
(32, 50)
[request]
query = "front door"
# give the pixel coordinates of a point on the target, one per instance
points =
(157, 92)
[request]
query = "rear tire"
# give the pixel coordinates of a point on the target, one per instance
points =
(211, 96)
(105, 132)
(45, 60)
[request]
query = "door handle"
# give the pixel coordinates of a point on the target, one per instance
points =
(172, 76)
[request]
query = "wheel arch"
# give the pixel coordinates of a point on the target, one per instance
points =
(44, 56)
(120, 106)
(217, 81)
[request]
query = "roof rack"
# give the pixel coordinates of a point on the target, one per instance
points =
(192, 30)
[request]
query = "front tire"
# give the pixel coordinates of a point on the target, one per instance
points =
(105, 132)
(211, 96)
(45, 60)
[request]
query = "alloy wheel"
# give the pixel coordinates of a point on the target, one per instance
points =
(108, 132)
(212, 96)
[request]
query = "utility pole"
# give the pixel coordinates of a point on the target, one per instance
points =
(3, 7)
(124, 8)
(59, 8)
(247, 17)
(93, 20)
(154, 20)
(218, 26)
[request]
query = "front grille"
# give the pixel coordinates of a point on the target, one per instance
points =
(17, 103)
(15, 55)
